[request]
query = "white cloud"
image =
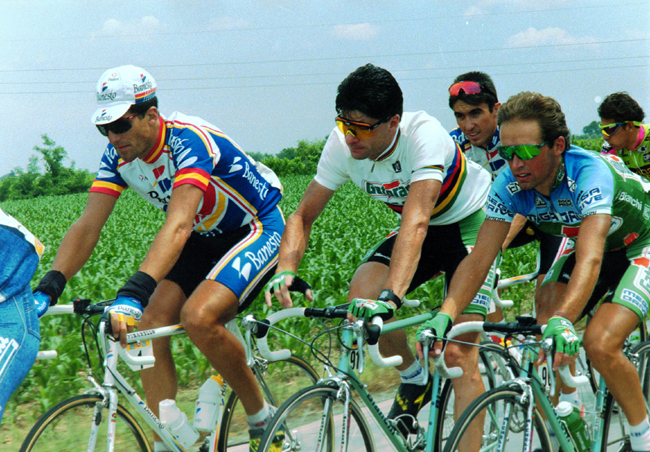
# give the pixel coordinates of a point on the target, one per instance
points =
(143, 27)
(227, 23)
(547, 36)
(474, 11)
(356, 32)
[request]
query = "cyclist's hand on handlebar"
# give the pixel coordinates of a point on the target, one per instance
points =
(565, 339)
(281, 284)
(42, 303)
(125, 314)
(361, 308)
(441, 325)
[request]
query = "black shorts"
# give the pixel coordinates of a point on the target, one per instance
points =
(201, 254)
(443, 249)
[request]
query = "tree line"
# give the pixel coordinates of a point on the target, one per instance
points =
(58, 179)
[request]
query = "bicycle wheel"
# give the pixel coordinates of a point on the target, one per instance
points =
(278, 381)
(504, 423)
(496, 367)
(66, 427)
(312, 420)
(616, 429)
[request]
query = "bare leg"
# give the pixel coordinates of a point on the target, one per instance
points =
(160, 382)
(547, 299)
(204, 317)
(470, 385)
(368, 282)
(603, 342)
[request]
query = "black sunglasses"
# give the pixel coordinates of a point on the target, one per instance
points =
(122, 125)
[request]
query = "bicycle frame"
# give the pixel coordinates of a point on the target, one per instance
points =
(115, 383)
(347, 380)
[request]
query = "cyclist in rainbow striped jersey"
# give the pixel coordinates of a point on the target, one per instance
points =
(409, 162)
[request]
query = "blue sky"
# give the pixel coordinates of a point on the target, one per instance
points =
(266, 71)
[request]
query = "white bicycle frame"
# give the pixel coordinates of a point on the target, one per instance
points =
(115, 383)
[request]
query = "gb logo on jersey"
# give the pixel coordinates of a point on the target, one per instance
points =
(513, 187)
(244, 271)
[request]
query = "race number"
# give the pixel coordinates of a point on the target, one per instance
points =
(355, 359)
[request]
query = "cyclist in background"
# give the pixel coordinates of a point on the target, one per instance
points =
(20, 336)
(621, 120)
(597, 202)
(409, 162)
(211, 257)
(473, 99)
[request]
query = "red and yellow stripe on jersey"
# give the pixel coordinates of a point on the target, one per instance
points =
(452, 183)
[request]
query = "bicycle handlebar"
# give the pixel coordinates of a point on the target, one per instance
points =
(335, 312)
(525, 325)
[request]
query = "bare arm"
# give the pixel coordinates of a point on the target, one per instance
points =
(82, 237)
(517, 225)
(296, 235)
(170, 240)
(473, 270)
(590, 247)
(417, 211)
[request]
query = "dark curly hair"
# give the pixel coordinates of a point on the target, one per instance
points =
(620, 107)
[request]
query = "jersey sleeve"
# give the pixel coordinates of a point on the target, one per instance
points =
(332, 169)
(500, 204)
(434, 151)
(595, 188)
(108, 179)
(195, 155)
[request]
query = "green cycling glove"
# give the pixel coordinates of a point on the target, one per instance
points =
(564, 335)
(278, 281)
(366, 309)
(440, 324)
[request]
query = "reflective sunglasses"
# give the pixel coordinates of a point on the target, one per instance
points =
(523, 151)
(359, 130)
(610, 129)
(122, 125)
(466, 87)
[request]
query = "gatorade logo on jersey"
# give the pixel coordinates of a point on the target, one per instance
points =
(394, 189)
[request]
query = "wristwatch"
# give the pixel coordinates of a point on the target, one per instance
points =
(389, 295)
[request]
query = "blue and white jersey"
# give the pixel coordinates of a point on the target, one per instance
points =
(20, 252)
(192, 151)
(587, 184)
(488, 159)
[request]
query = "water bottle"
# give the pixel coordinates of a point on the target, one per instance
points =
(635, 337)
(209, 404)
(575, 425)
(175, 419)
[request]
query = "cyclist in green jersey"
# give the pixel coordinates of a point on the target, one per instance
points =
(621, 123)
